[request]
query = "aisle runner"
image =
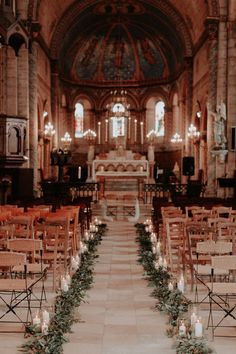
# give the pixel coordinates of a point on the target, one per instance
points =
(118, 316)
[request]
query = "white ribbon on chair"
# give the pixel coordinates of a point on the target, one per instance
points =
(137, 212)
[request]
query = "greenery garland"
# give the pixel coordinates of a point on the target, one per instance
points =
(173, 302)
(65, 305)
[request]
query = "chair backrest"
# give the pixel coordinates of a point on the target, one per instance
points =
(221, 211)
(226, 262)
(189, 209)
(27, 246)
(175, 239)
(21, 225)
(11, 259)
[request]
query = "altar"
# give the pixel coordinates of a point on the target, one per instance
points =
(120, 163)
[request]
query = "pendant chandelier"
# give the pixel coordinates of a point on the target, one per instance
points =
(118, 106)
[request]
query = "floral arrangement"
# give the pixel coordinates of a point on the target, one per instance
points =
(170, 298)
(51, 340)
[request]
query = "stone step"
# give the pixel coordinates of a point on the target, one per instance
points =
(118, 185)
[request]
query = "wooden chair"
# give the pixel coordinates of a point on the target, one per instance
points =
(33, 250)
(221, 211)
(175, 242)
(14, 293)
(21, 226)
(57, 249)
(222, 294)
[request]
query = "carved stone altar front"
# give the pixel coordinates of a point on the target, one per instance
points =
(120, 163)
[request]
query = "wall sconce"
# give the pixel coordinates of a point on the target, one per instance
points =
(193, 133)
(199, 110)
(176, 138)
(49, 130)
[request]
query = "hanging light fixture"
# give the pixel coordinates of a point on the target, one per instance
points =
(66, 140)
(118, 106)
(49, 130)
(176, 138)
(89, 134)
(193, 133)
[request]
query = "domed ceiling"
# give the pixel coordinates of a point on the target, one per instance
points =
(126, 41)
(136, 42)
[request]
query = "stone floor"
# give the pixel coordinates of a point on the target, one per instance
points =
(117, 316)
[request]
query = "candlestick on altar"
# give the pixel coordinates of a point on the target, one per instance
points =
(141, 132)
(106, 130)
(99, 132)
(135, 130)
(129, 127)
(79, 172)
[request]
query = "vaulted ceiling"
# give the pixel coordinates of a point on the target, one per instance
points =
(132, 41)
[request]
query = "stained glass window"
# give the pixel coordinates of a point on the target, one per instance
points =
(79, 120)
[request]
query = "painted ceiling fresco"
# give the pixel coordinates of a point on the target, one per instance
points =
(126, 43)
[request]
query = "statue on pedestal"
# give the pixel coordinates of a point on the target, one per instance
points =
(91, 153)
(151, 155)
(219, 126)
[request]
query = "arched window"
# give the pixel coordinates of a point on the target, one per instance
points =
(159, 118)
(79, 120)
(118, 121)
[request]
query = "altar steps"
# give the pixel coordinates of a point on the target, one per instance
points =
(120, 185)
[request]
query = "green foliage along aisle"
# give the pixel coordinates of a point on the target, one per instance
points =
(170, 299)
(65, 304)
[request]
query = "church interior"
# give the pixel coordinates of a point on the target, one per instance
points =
(118, 110)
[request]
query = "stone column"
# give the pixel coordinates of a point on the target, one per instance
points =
(212, 28)
(11, 82)
(3, 80)
(231, 84)
(55, 94)
(33, 117)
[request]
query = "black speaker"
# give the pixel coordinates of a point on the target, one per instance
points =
(22, 183)
(188, 166)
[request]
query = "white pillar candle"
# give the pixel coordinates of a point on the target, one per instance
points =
(79, 172)
(153, 237)
(135, 130)
(193, 319)
(158, 248)
(68, 279)
(182, 329)
(44, 328)
(64, 285)
(86, 235)
(141, 132)
(74, 264)
(99, 132)
(129, 127)
(165, 263)
(160, 261)
(180, 284)
(153, 249)
(106, 130)
(170, 286)
(46, 317)
(36, 320)
(198, 329)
